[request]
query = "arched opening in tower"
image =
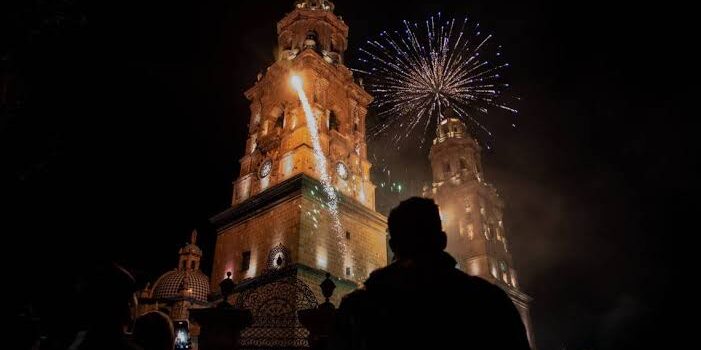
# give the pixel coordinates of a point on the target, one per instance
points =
(333, 121)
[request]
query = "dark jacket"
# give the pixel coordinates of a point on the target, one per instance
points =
(427, 304)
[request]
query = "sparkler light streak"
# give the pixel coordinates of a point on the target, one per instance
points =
(321, 167)
(426, 72)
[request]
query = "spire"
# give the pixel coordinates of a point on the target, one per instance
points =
(193, 237)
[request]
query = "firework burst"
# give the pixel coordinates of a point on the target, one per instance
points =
(425, 72)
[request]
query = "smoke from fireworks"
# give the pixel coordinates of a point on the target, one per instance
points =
(429, 71)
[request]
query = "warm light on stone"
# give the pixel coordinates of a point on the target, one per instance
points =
(307, 115)
(468, 204)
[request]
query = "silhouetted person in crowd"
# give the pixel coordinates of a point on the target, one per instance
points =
(24, 330)
(422, 300)
(154, 331)
(111, 307)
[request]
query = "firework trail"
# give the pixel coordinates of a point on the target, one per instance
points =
(332, 203)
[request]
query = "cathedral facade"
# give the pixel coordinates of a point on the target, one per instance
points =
(282, 233)
(472, 213)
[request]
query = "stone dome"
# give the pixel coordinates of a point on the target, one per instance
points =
(194, 282)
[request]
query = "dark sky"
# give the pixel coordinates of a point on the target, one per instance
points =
(122, 124)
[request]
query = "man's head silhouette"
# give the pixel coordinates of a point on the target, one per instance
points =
(111, 301)
(415, 229)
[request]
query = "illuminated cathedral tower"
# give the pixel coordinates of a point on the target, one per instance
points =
(279, 237)
(471, 211)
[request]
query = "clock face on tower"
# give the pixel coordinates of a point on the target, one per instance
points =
(342, 170)
(265, 168)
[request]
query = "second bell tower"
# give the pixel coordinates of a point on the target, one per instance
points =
(472, 213)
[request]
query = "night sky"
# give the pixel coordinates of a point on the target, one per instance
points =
(122, 125)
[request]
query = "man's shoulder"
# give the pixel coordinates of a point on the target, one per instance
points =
(383, 273)
(476, 282)
(393, 272)
(481, 286)
(355, 297)
(375, 282)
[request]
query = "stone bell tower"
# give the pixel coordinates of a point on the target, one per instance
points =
(283, 232)
(472, 213)
(311, 43)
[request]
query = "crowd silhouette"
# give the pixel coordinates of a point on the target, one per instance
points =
(421, 300)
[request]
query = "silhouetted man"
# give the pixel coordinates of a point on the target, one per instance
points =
(422, 300)
(111, 310)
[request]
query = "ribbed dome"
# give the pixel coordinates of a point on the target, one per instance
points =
(169, 284)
